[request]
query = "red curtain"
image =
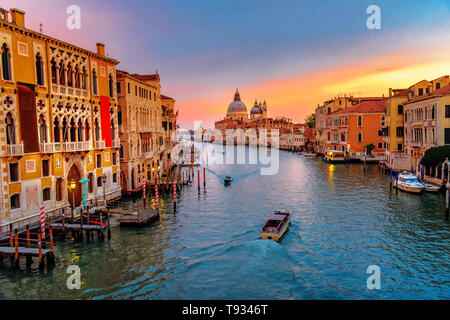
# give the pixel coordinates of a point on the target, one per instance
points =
(106, 120)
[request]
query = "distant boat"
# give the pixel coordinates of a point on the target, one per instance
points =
(309, 155)
(408, 182)
(227, 180)
(334, 156)
(276, 226)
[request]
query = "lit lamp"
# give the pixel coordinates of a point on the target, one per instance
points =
(72, 187)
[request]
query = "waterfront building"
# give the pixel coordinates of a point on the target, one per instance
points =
(354, 128)
(427, 117)
(294, 141)
(147, 120)
(58, 122)
(393, 130)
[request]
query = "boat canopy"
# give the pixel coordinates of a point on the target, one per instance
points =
(277, 217)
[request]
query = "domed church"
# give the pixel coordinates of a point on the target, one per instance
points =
(259, 111)
(237, 110)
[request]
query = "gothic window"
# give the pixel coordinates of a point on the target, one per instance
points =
(94, 82)
(72, 131)
(121, 152)
(42, 129)
(6, 62)
(65, 131)
(80, 130)
(56, 135)
(87, 130)
(62, 74)
(77, 77)
(10, 129)
(69, 75)
(54, 72)
(39, 70)
(113, 135)
(83, 79)
(97, 130)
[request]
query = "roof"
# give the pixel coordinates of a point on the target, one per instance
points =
(166, 97)
(146, 77)
(373, 106)
(439, 92)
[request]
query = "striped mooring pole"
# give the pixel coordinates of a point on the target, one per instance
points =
(174, 196)
(156, 197)
(143, 188)
(43, 222)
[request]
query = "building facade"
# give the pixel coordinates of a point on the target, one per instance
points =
(58, 122)
(147, 121)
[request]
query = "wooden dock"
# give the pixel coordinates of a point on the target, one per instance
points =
(143, 217)
(14, 251)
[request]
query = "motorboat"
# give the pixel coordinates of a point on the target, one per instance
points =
(276, 225)
(334, 156)
(409, 183)
(431, 187)
(309, 155)
(227, 180)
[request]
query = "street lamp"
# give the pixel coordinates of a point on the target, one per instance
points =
(72, 186)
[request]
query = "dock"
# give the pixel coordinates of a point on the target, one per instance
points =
(139, 217)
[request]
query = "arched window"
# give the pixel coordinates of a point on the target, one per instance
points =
(80, 130)
(54, 72)
(113, 131)
(6, 62)
(65, 131)
(62, 74)
(59, 192)
(56, 135)
(42, 129)
(111, 86)
(39, 70)
(97, 130)
(69, 75)
(15, 201)
(77, 77)
(94, 82)
(72, 130)
(121, 152)
(83, 79)
(87, 130)
(10, 129)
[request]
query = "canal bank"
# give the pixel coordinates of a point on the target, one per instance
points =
(344, 220)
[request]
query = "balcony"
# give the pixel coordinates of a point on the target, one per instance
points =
(100, 145)
(115, 144)
(13, 150)
(46, 147)
(75, 146)
(71, 91)
(148, 155)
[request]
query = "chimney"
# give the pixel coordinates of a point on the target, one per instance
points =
(18, 17)
(390, 92)
(3, 14)
(101, 48)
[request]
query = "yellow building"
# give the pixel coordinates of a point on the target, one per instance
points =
(427, 117)
(58, 122)
(393, 130)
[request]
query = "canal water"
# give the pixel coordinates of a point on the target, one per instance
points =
(345, 219)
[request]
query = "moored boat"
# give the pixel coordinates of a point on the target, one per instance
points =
(334, 156)
(276, 226)
(409, 183)
(309, 155)
(428, 187)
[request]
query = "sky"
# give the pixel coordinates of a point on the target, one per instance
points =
(293, 54)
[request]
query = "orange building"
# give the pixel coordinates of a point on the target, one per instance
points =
(354, 128)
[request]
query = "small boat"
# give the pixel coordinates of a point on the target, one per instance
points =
(333, 156)
(309, 155)
(408, 182)
(276, 226)
(431, 187)
(227, 180)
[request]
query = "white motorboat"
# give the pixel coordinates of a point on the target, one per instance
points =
(409, 183)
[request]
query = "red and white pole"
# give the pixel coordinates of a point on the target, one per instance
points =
(143, 187)
(174, 196)
(43, 222)
(156, 197)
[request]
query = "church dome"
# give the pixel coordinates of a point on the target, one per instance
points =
(256, 109)
(237, 105)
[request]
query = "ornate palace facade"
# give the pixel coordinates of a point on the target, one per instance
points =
(58, 122)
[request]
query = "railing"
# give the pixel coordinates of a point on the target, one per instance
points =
(47, 147)
(13, 150)
(100, 144)
(72, 91)
(116, 144)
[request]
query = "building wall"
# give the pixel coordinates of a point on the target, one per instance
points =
(371, 125)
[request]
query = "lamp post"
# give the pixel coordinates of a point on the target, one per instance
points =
(72, 187)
